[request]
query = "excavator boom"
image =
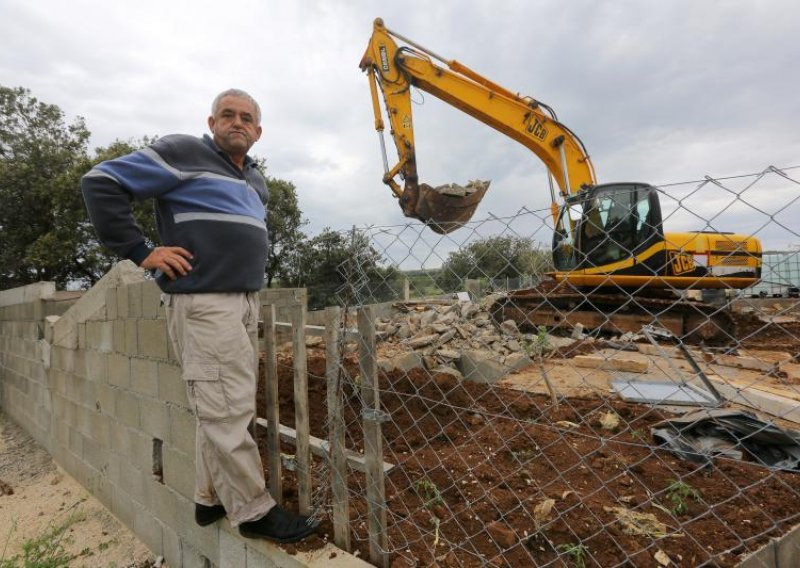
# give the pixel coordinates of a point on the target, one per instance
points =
(393, 70)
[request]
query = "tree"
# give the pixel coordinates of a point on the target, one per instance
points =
(284, 220)
(39, 152)
(44, 227)
(340, 267)
(493, 257)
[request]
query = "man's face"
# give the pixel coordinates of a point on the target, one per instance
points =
(234, 126)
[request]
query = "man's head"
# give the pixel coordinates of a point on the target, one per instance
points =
(235, 122)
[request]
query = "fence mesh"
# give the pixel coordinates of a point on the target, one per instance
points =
(606, 424)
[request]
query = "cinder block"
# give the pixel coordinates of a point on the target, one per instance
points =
(96, 366)
(111, 303)
(764, 557)
(101, 429)
(151, 299)
(80, 329)
(131, 337)
(192, 558)
(172, 546)
(104, 398)
(96, 455)
(74, 388)
(182, 429)
(171, 386)
(119, 335)
(787, 548)
(63, 359)
(75, 442)
(165, 503)
(79, 363)
(141, 455)
(97, 483)
(144, 376)
(120, 441)
(147, 528)
(122, 505)
(61, 436)
(122, 301)
(135, 300)
(232, 550)
(152, 338)
(126, 408)
(153, 417)
(179, 472)
(119, 370)
(100, 336)
(257, 560)
(203, 539)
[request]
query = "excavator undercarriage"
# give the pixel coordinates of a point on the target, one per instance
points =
(563, 307)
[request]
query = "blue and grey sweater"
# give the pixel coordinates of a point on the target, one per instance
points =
(204, 203)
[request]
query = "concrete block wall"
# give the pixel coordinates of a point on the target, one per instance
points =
(24, 383)
(100, 388)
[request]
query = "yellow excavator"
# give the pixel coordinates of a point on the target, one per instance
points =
(615, 267)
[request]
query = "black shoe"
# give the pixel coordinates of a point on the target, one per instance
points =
(205, 515)
(279, 525)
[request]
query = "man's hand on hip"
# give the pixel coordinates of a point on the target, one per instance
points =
(169, 260)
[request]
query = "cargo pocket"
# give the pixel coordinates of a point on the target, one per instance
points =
(206, 390)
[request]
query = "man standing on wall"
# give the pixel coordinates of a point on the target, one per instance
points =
(210, 212)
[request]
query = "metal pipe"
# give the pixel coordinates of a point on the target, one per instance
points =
(383, 152)
(564, 167)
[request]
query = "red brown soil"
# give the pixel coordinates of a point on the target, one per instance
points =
(488, 456)
(755, 333)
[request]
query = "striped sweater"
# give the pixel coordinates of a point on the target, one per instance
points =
(204, 203)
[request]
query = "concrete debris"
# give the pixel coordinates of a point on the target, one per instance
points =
(459, 336)
(461, 190)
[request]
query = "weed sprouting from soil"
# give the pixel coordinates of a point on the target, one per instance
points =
(45, 550)
(430, 493)
(577, 551)
(678, 493)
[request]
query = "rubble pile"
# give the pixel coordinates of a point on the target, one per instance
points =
(458, 338)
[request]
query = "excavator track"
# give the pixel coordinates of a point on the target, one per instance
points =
(563, 307)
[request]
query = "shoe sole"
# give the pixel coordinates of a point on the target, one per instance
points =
(211, 522)
(287, 540)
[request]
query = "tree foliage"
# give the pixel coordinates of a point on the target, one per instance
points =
(340, 267)
(284, 223)
(39, 155)
(492, 257)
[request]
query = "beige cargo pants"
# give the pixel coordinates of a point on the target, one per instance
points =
(211, 336)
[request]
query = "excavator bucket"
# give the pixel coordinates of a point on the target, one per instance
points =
(447, 207)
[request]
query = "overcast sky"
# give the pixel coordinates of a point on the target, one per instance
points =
(661, 92)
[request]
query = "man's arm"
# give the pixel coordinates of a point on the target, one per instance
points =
(109, 189)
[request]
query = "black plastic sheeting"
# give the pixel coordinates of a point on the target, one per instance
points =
(705, 434)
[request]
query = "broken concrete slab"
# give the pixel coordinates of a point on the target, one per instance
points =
(483, 367)
(611, 363)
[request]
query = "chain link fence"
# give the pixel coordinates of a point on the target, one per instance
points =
(598, 425)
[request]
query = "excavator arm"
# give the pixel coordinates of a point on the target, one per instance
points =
(394, 69)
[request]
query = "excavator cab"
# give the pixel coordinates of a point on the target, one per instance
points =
(606, 224)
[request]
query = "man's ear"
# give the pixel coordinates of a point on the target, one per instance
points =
(258, 133)
(211, 124)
